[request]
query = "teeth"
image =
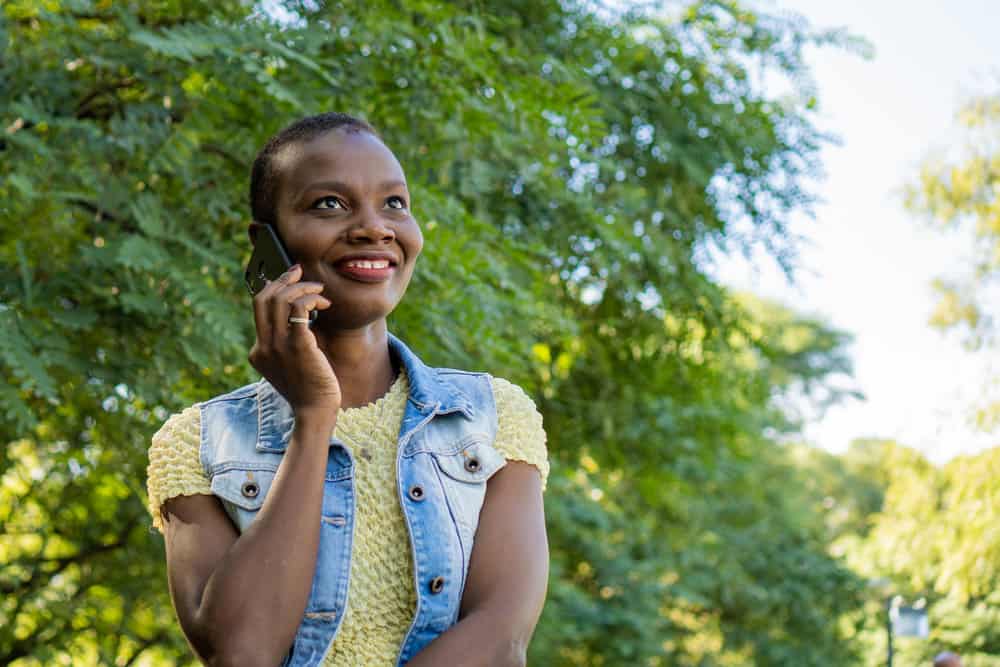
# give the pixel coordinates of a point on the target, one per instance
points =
(368, 264)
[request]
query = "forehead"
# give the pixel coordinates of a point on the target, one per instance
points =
(357, 158)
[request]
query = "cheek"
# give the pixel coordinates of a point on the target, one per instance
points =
(306, 240)
(415, 240)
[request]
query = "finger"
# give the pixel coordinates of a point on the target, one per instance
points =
(277, 305)
(300, 309)
(285, 296)
(292, 292)
(263, 317)
(290, 276)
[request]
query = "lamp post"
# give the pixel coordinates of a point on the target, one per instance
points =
(900, 621)
(888, 628)
(904, 621)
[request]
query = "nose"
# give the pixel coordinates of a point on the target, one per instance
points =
(370, 228)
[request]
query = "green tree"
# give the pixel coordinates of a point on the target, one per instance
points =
(695, 548)
(934, 537)
(916, 530)
(569, 167)
(848, 489)
(959, 190)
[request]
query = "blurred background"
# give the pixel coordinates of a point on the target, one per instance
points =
(744, 256)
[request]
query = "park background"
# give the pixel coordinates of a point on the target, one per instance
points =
(744, 259)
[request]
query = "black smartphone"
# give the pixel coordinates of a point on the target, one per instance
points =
(269, 258)
(268, 261)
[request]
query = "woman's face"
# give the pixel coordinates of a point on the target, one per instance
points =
(343, 211)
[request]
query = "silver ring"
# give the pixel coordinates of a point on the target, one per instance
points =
(298, 320)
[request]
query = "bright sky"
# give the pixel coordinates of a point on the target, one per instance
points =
(869, 264)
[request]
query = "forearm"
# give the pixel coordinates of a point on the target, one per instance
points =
(481, 639)
(253, 602)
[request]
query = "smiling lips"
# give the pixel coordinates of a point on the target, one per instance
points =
(366, 270)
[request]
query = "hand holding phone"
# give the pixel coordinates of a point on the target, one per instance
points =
(286, 352)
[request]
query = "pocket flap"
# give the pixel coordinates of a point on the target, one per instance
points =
(474, 463)
(243, 487)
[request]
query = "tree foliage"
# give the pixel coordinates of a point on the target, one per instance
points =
(926, 533)
(568, 165)
(959, 189)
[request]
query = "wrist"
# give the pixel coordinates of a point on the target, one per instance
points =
(315, 421)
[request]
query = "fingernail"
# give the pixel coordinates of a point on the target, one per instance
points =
(294, 266)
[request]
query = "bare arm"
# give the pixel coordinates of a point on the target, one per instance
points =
(508, 575)
(240, 598)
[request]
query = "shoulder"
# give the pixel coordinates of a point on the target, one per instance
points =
(510, 394)
(180, 435)
(174, 466)
(189, 419)
(520, 431)
(178, 425)
(473, 385)
(462, 377)
(247, 391)
(501, 389)
(515, 408)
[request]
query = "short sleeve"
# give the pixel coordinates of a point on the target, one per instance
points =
(175, 462)
(520, 436)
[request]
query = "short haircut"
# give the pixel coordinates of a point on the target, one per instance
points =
(263, 176)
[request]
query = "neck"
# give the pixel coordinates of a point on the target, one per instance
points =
(360, 360)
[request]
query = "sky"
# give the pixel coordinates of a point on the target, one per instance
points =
(867, 264)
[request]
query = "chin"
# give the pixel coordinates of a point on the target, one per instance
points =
(345, 317)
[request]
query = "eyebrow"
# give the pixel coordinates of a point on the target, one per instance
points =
(344, 187)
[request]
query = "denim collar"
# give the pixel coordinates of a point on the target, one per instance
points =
(430, 394)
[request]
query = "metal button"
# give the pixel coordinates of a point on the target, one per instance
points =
(472, 464)
(416, 493)
(250, 489)
(437, 585)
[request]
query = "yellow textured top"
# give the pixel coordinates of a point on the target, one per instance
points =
(382, 599)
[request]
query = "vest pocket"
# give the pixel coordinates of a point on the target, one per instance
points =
(242, 491)
(463, 475)
(474, 463)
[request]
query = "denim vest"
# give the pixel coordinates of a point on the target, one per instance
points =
(445, 454)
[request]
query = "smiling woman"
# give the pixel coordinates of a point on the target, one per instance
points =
(354, 506)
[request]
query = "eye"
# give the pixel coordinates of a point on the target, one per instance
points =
(395, 202)
(329, 202)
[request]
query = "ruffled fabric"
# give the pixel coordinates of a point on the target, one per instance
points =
(520, 436)
(381, 599)
(175, 462)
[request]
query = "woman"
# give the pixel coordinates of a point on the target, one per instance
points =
(354, 506)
